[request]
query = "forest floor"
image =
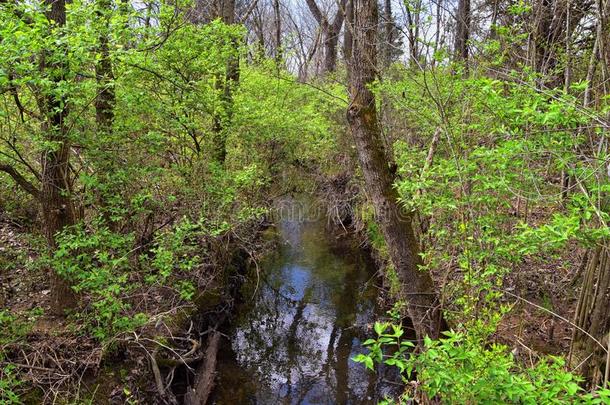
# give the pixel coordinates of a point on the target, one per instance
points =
(542, 292)
(46, 350)
(22, 289)
(59, 358)
(543, 295)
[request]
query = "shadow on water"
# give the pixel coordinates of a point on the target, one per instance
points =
(293, 341)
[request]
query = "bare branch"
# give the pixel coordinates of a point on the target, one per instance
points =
(315, 10)
(249, 11)
(20, 180)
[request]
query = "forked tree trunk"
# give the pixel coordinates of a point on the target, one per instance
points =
(330, 31)
(394, 221)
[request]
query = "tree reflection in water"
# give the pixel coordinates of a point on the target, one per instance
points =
(294, 342)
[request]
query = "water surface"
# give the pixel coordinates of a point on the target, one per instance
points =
(301, 324)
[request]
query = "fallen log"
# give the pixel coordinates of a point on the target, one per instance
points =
(200, 391)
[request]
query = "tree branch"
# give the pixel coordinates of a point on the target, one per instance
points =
(338, 21)
(249, 11)
(20, 180)
(315, 10)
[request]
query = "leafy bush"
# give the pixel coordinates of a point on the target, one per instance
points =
(9, 383)
(96, 262)
(464, 369)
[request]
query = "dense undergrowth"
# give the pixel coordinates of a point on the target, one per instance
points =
(490, 201)
(159, 215)
(505, 175)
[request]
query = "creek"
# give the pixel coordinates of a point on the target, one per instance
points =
(301, 321)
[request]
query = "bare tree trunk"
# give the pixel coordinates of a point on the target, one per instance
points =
(278, 32)
(58, 209)
(592, 67)
(394, 221)
(348, 37)
(330, 31)
(462, 33)
(437, 34)
(259, 31)
(105, 100)
(388, 25)
(413, 18)
(206, 374)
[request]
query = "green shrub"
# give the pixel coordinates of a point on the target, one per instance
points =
(465, 369)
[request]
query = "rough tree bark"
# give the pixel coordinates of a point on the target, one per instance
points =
(462, 32)
(58, 210)
(278, 32)
(348, 37)
(395, 222)
(330, 31)
(106, 99)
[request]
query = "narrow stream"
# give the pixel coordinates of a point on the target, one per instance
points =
(295, 336)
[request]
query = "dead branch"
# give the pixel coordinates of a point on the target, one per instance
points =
(20, 180)
(204, 382)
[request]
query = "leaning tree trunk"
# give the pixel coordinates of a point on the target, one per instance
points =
(58, 210)
(395, 222)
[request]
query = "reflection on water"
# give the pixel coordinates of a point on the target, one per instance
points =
(293, 342)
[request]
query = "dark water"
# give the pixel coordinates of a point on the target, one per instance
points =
(294, 340)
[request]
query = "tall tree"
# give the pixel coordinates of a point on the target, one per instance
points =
(348, 37)
(462, 32)
(395, 222)
(330, 31)
(413, 14)
(58, 209)
(388, 23)
(105, 100)
(54, 194)
(278, 32)
(226, 84)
